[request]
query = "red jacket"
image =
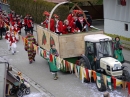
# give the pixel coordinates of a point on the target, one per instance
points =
(25, 21)
(13, 40)
(45, 23)
(29, 23)
(67, 29)
(59, 27)
(1, 24)
(70, 18)
(52, 25)
(73, 26)
(7, 37)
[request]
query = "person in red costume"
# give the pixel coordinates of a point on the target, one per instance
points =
(66, 27)
(13, 45)
(73, 24)
(16, 31)
(8, 37)
(30, 24)
(19, 25)
(46, 22)
(25, 24)
(70, 17)
(58, 25)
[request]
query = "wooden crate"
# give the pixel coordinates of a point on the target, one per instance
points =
(71, 45)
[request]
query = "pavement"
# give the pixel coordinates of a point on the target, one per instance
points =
(41, 80)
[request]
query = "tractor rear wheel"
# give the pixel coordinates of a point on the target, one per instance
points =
(85, 64)
(126, 75)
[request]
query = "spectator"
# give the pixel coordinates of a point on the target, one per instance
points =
(30, 40)
(118, 50)
(52, 65)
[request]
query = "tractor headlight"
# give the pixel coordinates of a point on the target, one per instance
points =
(117, 67)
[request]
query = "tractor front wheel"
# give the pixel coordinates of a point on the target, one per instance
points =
(100, 84)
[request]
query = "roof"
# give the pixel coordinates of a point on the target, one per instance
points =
(96, 37)
(56, 1)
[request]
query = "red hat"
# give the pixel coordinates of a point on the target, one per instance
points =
(75, 11)
(56, 16)
(46, 13)
(80, 12)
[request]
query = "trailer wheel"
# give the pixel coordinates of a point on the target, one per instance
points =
(86, 65)
(126, 75)
(101, 86)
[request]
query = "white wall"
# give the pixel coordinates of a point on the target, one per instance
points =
(116, 27)
(114, 11)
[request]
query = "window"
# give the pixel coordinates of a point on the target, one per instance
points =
(126, 27)
(121, 2)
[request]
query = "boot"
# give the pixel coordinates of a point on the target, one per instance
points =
(56, 75)
(30, 62)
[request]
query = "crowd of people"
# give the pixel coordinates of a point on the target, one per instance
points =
(75, 22)
(11, 25)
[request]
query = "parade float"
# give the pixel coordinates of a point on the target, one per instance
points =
(88, 54)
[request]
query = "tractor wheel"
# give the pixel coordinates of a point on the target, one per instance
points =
(19, 93)
(101, 86)
(126, 75)
(86, 65)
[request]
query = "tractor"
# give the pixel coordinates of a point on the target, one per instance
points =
(99, 57)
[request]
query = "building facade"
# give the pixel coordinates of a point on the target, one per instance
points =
(117, 17)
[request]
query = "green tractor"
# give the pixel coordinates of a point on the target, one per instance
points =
(99, 57)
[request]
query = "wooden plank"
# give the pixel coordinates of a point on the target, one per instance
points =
(73, 45)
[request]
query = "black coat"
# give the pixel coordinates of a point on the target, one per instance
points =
(79, 25)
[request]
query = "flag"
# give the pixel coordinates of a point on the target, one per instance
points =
(90, 74)
(45, 54)
(128, 84)
(114, 82)
(119, 82)
(58, 62)
(66, 65)
(76, 71)
(109, 82)
(87, 74)
(61, 64)
(41, 52)
(72, 67)
(83, 74)
(98, 77)
(94, 75)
